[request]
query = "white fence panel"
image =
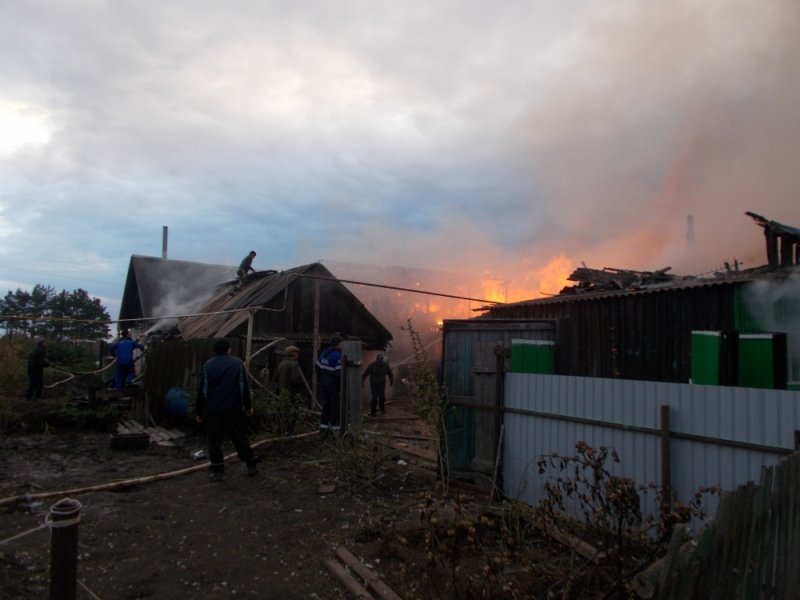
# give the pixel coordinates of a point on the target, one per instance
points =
(720, 436)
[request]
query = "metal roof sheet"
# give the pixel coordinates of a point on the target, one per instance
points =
(765, 273)
(227, 310)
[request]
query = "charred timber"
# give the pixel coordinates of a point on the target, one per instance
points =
(619, 277)
(782, 241)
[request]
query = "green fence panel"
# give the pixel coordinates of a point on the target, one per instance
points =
(532, 356)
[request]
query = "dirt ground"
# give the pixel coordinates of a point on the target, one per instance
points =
(266, 536)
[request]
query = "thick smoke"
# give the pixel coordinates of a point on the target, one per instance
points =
(773, 305)
(662, 110)
(184, 289)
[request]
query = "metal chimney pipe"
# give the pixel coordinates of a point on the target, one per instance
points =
(164, 238)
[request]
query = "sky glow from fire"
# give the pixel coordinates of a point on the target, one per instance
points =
(510, 141)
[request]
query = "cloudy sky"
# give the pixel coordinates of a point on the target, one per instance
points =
(514, 139)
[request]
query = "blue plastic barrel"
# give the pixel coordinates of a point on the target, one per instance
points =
(177, 402)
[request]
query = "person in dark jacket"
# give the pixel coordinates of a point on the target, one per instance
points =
(37, 361)
(122, 350)
(223, 402)
(378, 372)
(245, 267)
(329, 365)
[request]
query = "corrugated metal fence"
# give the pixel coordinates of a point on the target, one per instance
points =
(718, 436)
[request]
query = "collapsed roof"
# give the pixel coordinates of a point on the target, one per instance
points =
(783, 257)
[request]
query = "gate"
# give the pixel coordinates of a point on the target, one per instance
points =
(475, 357)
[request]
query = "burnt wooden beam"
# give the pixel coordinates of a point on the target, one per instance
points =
(618, 278)
(779, 228)
(782, 240)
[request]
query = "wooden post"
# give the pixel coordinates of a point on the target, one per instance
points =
(248, 350)
(315, 349)
(499, 405)
(666, 463)
(495, 493)
(343, 404)
(351, 375)
(64, 518)
(772, 246)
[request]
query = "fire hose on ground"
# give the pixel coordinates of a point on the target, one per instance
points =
(114, 485)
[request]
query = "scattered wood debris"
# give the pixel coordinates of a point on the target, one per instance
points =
(584, 549)
(159, 435)
(326, 488)
(609, 279)
(367, 582)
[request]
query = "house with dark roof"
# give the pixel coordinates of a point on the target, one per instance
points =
(304, 306)
(736, 330)
(156, 288)
(652, 333)
(738, 327)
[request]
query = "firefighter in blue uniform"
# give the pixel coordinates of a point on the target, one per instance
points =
(329, 366)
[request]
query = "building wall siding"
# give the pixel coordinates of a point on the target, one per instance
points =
(639, 336)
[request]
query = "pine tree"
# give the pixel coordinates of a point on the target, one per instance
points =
(50, 314)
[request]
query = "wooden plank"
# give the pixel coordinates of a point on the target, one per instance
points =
(134, 426)
(586, 550)
(348, 580)
(172, 434)
(789, 584)
(372, 581)
(761, 535)
(156, 435)
(784, 563)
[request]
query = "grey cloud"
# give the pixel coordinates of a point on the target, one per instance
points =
(430, 134)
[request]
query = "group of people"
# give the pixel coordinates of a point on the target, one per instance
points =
(122, 350)
(329, 366)
(224, 402)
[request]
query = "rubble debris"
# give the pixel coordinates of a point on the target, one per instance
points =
(610, 279)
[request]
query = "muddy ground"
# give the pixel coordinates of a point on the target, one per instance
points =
(269, 536)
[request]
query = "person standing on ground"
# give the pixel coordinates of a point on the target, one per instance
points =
(288, 375)
(37, 361)
(245, 267)
(122, 350)
(378, 372)
(223, 402)
(329, 365)
(290, 386)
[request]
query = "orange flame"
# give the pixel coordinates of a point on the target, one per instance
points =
(546, 280)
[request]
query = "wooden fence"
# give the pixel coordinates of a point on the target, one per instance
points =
(750, 551)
